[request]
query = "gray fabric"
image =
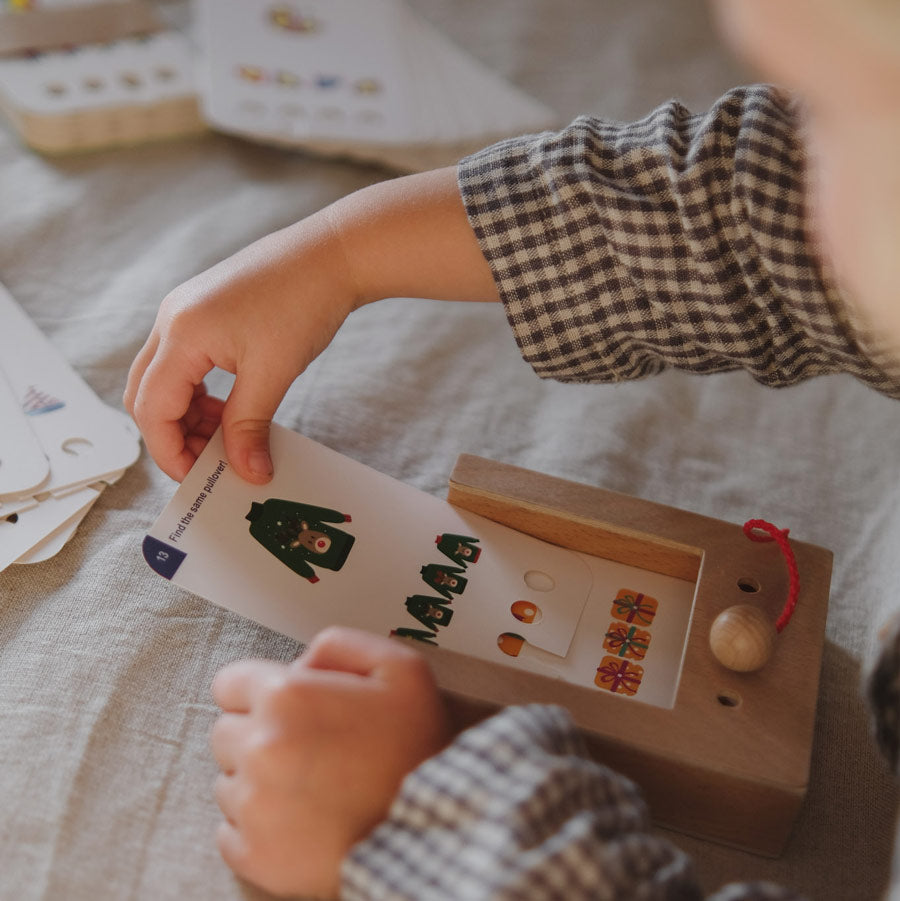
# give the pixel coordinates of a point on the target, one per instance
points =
(105, 668)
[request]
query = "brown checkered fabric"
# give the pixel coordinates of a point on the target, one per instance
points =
(679, 240)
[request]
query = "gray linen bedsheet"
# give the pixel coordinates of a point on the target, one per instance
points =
(105, 668)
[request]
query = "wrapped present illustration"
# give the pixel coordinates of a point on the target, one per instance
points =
(634, 607)
(299, 535)
(619, 676)
(626, 641)
(461, 549)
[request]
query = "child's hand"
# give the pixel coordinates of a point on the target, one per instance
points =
(267, 312)
(264, 314)
(313, 752)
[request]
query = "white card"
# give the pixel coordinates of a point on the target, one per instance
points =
(393, 560)
(23, 466)
(33, 526)
(56, 540)
(366, 80)
(82, 438)
(130, 72)
(298, 71)
(387, 553)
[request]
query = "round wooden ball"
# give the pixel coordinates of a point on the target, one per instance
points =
(742, 638)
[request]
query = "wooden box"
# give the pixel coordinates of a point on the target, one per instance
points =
(730, 761)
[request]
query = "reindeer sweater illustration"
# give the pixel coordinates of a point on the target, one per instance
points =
(299, 535)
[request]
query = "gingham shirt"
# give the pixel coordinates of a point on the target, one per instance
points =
(618, 250)
(679, 240)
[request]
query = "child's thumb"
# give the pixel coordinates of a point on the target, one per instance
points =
(246, 420)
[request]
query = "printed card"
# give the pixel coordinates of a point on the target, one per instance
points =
(323, 68)
(83, 439)
(60, 445)
(331, 541)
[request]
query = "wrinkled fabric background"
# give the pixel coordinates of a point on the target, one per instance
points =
(105, 710)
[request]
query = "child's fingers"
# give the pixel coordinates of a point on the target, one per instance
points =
(225, 740)
(166, 391)
(363, 653)
(247, 417)
(138, 367)
(236, 687)
(233, 847)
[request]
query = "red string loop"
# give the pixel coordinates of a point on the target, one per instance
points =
(752, 528)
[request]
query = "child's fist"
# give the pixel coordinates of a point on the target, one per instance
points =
(313, 752)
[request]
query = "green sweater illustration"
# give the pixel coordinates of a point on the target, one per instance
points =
(298, 535)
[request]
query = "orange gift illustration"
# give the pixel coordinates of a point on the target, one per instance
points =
(619, 676)
(634, 607)
(626, 641)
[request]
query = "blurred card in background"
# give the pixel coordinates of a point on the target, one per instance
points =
(60, 445)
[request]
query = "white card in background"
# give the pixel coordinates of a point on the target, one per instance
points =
(130, 72)
(346, 77)
(119, 92)
(472, 103)
(296, 71)
(55, 541)
(330, 541)
(82, 438)
(31, 527)
(23, 466)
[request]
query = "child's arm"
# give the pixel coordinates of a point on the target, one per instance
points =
(312, 754)
(268, 311)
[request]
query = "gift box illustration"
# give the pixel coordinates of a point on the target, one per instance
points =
(634, 607)
(626, 641)
(619, 676)
(300, 535)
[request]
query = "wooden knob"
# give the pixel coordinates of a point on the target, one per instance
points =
(742, 638)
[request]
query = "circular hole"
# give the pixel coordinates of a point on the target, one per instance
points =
(750, 586)
(130, 80)
(526, 612)
(539, 581)
(77, 447)
(510, 643)
(164, 73)
(728, 699)
(93, 83)
(55, 89)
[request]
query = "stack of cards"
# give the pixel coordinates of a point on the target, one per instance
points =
(358, 78)
(80, 76)
(363, 79)
(60, 445)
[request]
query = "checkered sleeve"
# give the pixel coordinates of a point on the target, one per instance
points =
(678, 240)
(514, 809)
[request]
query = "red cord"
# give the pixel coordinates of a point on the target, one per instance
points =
(751, 529)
